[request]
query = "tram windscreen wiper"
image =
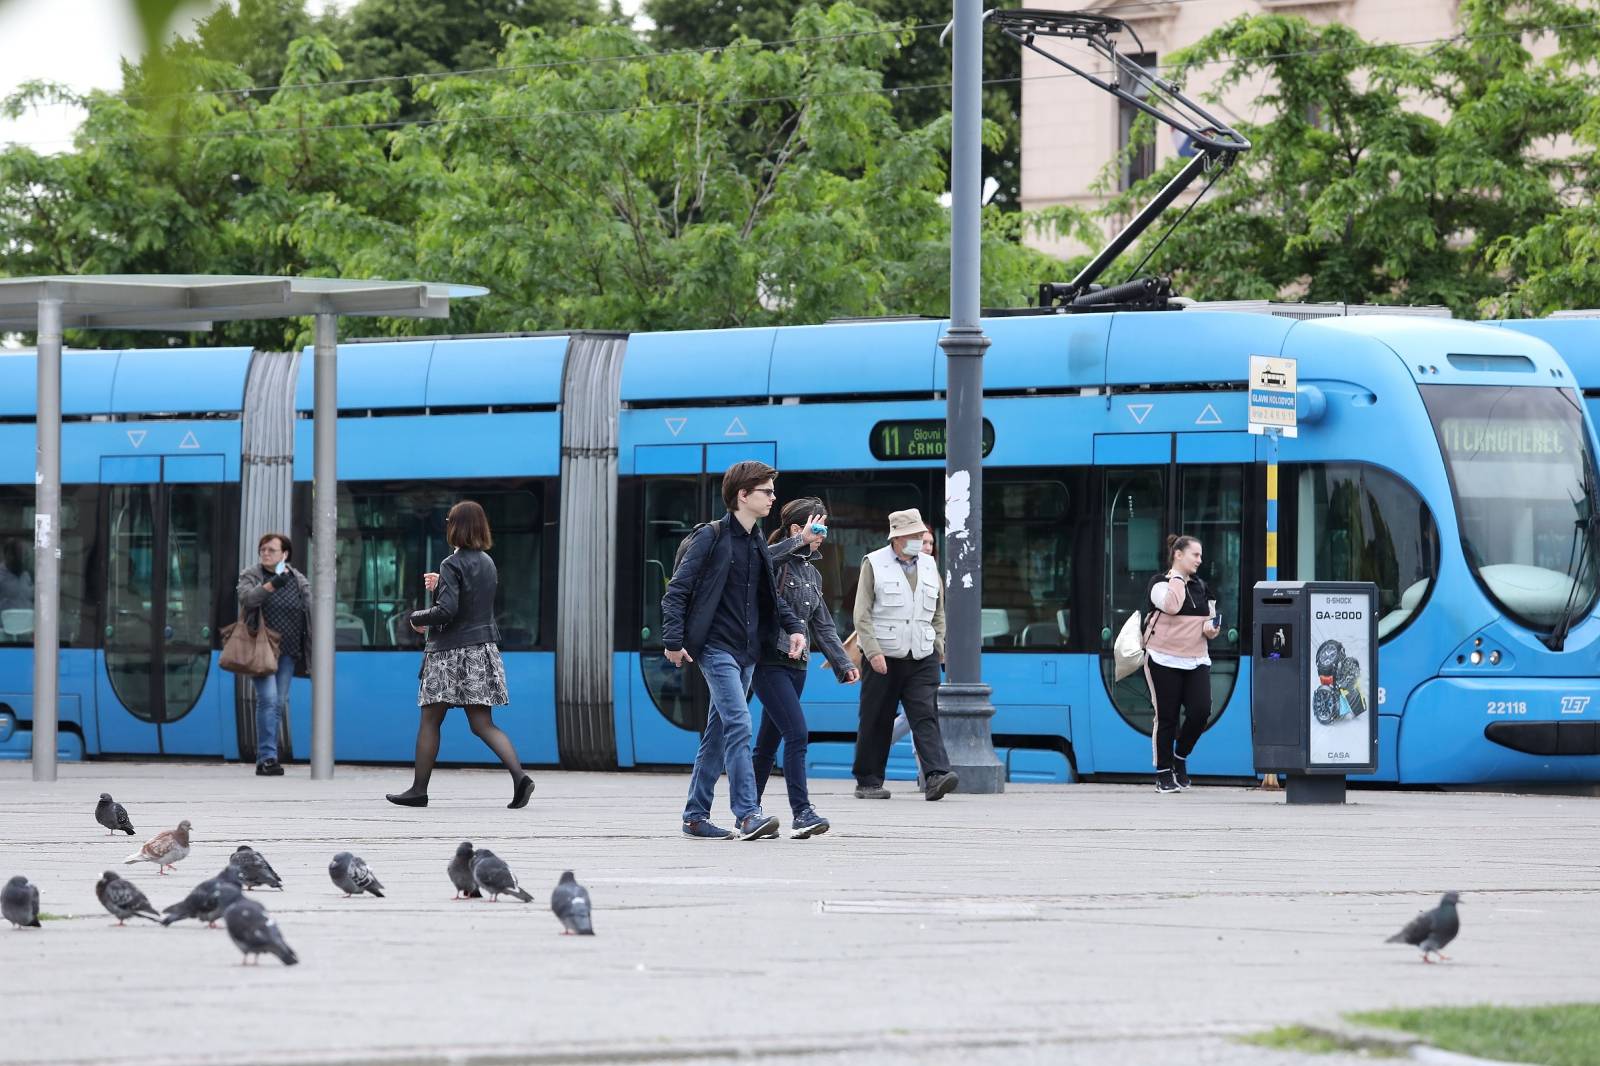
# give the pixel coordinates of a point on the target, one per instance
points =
(1577, 563)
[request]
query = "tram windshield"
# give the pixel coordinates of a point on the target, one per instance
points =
(1523, 475)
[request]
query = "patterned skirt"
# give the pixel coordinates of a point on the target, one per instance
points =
(463, 677)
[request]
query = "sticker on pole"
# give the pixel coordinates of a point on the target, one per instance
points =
(1272, 395)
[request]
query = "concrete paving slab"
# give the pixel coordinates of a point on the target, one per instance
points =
(1060, 924)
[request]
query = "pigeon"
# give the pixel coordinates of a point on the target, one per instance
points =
(460, 869)
(254, 933)
(164, 849)
(254, 870)
(570, 902)
(1432, 930)
(207, 900)
(113, 815)
(123, 898)
(19, 903)
(352, 875)
(495, 877)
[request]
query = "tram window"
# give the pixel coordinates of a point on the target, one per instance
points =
(858, 523)
(1355, 522)
(78, 522)
(671, 512)
(391, 534)
(1029, 528)
(1211, 504)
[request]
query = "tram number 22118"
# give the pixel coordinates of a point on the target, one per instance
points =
(1507, 707)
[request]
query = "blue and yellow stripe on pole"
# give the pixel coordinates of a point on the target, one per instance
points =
(1272, 504)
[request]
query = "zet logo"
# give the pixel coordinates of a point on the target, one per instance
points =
(1574, 704)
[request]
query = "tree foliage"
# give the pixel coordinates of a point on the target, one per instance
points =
(1392, 174)
(589, 183)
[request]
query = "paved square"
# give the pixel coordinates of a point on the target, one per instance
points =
(1075, 924)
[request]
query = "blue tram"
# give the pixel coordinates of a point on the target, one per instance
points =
(1449, 463)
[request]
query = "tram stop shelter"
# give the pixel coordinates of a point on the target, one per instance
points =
(194, 303)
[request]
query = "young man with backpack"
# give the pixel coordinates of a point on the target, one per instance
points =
(720, 609)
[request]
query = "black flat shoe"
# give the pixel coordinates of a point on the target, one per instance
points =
(519, 798)
(405, 799)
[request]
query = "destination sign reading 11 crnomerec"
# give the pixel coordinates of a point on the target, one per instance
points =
(908, 440)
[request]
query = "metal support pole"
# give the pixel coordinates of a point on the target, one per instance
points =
(46, 541)
(324, 530)
(964, 707)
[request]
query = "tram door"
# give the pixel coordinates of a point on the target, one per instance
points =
(682, 486)
(1154, 484)
(157, 690)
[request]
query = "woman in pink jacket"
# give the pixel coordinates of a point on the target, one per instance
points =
(1178, 660)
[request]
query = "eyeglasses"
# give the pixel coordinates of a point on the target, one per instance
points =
(771, 493)
(270, 550)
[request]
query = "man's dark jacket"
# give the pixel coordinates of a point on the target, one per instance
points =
(695, 591)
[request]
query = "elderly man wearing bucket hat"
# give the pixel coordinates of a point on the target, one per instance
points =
(899, 619)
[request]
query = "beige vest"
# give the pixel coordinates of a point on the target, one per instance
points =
(902, 616)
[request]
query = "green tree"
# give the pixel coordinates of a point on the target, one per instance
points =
(593, 186)
(1383, 173)
(916, 62)
(397, 38)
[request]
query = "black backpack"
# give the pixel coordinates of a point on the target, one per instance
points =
(683, 545)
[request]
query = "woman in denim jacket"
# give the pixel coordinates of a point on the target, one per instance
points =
(779, 679)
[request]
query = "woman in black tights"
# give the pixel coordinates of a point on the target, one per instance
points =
(461, 665)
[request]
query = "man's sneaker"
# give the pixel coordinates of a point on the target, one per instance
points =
(703, 830)
(1165, 781)
(269, 768)
(808, 823)
(1180, 771)
(940, 786)
(755, 826)
(871, 792)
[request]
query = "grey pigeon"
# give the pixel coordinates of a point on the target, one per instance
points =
(495, 877)
(461, 872)
(352, 875)
(122, 898)
(1432, 930)
(254, 869)
(19, 903)
(570, 902)
(207, 900)
(254, 933)
(164, 849)
(113, 815)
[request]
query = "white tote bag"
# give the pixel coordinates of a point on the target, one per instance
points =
(1127, 650)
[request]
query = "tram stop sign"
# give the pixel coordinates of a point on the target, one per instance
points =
(1272, 395)
(1313, 699)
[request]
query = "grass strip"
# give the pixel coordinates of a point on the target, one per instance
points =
(1558, 1035)
(1318, 1042)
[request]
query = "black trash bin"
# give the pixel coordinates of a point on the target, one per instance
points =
(1313, 707)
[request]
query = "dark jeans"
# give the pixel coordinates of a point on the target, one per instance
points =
(915, 684)
(1171, 687)
(782, 719)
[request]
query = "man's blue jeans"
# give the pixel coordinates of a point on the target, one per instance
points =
(272, 692)
(726, 739)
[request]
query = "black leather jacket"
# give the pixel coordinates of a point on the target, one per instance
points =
(462, 614)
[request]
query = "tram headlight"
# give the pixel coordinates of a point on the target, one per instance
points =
(8, 726)
(1476, 658)
(1494, 658)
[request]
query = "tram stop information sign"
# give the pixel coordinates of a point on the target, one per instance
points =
(1272, 395)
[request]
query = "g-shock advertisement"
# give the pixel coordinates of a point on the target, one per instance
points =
(1342, 720)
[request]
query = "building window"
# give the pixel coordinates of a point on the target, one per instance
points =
(1141, 163)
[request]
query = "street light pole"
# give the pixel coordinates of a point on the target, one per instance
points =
(324, 530)
(46, 538)
(964, 707)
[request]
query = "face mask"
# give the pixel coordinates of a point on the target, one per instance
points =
(913, 547)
